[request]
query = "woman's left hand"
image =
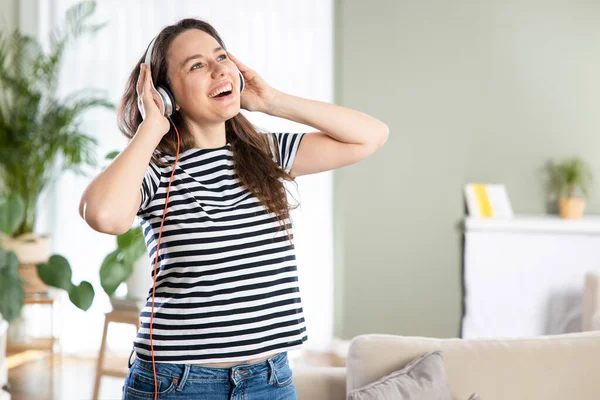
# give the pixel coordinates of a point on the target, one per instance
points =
(257, 94)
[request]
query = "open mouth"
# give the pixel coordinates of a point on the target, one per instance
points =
(222, 92)
(224, 96)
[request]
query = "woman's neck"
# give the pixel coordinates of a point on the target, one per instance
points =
(208, 136)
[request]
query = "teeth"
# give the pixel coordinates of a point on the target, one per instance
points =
(220, 90)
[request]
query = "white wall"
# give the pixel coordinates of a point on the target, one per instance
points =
(289, 43)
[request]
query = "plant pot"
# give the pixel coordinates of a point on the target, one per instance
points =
(571, 207)
(139, 282)
(31, 249)
(17, 331)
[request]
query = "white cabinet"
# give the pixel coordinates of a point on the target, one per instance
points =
(524, 276)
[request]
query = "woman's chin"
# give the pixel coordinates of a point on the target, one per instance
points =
(217, 114)
(230, 112)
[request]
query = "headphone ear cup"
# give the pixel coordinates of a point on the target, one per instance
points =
(168, 101)
(242, 82)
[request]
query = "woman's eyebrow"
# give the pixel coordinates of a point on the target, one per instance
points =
(198, 56)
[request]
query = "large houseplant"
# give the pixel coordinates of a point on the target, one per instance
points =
(570, 182)
(117, 267)
(40, 133)
(40, 137)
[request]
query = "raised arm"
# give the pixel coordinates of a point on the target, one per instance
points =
(111, 201)
(345, 136)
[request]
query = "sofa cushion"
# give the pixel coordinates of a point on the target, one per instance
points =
(556, 367)
(422, 379)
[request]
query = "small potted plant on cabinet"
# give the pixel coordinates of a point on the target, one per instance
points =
(570, 182)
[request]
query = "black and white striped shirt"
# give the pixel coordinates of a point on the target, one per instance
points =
(227, 289)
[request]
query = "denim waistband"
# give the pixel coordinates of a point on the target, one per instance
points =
(205, 372)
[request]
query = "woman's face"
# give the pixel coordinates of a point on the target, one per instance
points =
(204, 81)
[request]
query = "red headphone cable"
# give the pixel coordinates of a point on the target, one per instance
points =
(156, 262)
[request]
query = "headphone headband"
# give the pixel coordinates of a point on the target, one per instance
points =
(148, 59)
(167, 100)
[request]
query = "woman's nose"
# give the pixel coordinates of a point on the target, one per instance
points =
(218, 70)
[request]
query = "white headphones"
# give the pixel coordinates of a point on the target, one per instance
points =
(166, 98)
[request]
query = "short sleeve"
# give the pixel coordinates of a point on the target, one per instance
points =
(149, 186)
(287, 145)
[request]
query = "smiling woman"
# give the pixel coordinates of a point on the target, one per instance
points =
(225, 299)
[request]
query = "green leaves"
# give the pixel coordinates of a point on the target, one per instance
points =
(76, 17)
(37, 127)
(131, 244)
(12, 294)
(12, 213)
(118, 265)
(82, 296)
(571, 177)
(57, 273)
(114, 271)
(112, 155)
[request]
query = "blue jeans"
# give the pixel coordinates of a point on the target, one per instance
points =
(268, 379)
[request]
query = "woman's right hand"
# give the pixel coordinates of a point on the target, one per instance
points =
(149, 102)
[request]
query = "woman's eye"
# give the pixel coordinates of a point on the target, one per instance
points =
(200, 65)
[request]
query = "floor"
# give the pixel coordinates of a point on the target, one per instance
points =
(36, 375)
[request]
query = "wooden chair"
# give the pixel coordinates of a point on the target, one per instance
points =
(125, 316)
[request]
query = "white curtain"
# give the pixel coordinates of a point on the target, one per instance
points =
(290, 43)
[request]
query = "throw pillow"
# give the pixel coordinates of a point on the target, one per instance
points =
(422, 379)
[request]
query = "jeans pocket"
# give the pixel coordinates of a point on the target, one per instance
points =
(281, 375)
(140, 383)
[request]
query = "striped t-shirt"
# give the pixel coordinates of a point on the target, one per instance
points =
(227, 289)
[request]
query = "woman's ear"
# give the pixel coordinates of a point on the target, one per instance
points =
(177, 107)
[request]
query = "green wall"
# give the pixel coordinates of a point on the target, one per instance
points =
(472, 91)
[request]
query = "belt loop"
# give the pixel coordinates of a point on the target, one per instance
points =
(129, 363)
(233, 376)
(271, 370)
(186, 373)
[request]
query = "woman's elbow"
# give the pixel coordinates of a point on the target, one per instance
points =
(384, 132)
(377, 138)
(104, 222)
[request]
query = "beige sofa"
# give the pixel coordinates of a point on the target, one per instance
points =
(560, 367)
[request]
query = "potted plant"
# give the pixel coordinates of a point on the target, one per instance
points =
(127, 263)
(40, 133)
(117, 267)
(570, 181)
(37, 129)
(55, 272)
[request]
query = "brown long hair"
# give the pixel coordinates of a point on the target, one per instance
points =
(252, 156)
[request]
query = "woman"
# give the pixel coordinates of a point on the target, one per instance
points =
(225, 307)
